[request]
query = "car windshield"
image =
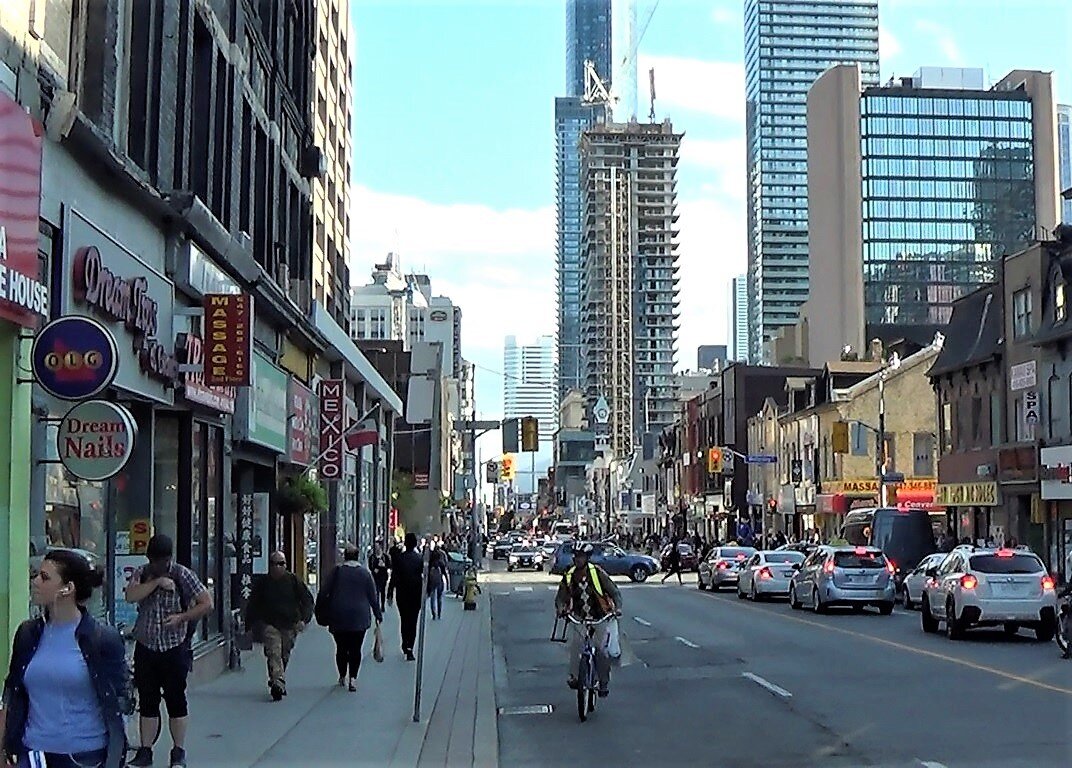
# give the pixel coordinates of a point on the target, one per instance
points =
(1010, 564)
(784, 557)
(868, 560)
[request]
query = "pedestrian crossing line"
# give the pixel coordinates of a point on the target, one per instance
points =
(643, 622)
(930, 764)
(683, 641)
(777, 690)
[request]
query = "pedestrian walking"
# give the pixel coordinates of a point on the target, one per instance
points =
(405, 586)
(65, 689)
(437, 579)
(380, 567)
(278, 609)
(346, 604)
(171, 600)
(673, 561)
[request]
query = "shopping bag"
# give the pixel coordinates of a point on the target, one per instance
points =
(377, 645)
(614, 641)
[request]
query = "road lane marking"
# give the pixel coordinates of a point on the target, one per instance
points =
(907, 648)
(683, 641)
(931, 764)
(641, 621)
(777, 690)
(522, 589)
(552, 588)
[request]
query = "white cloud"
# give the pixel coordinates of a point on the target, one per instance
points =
(726, 157)
(943, 39)
(714, 88)
(889, 47)
(723, 15)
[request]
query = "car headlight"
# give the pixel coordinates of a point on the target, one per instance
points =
(513, 558)
(538, 557)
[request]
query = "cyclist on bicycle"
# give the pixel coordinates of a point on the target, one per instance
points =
(588, 594)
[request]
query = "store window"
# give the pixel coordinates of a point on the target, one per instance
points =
(206, 516)
(166, 477)
(75, 519)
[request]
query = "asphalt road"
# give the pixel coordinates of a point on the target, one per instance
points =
(710, 680)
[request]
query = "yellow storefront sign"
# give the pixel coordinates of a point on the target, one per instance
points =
(984, 494)
(869, 485)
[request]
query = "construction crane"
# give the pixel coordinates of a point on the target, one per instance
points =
(595, 89)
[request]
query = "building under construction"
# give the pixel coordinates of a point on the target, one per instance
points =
(629, 281)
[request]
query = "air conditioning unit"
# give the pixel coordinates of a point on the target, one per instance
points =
(313, 164)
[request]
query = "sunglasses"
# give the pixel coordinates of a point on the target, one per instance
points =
(278, 562)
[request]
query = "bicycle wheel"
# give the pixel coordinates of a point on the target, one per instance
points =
(582, 689)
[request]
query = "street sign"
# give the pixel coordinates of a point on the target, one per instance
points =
(1031, 407)
(893, 477)
(760, 458)
(601, 410)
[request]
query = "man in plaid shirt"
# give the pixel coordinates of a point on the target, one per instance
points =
(171, 600)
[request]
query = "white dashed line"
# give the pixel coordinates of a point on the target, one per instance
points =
(683, 641)
(641, 621)
(776, 690)
(931, 764)
(522, 589)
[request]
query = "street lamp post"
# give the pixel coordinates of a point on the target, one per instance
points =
(892, 364)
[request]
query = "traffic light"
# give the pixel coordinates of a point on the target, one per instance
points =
(715, 458)
(509, 436)
(493, 472)
(839, 437)
(530, 434)
(507, 470)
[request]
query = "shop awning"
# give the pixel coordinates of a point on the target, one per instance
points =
(831, 503)
(917, 499)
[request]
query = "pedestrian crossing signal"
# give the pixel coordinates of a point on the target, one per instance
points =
(715, 458)
(530, 434)
(493, 472)
(507, 470)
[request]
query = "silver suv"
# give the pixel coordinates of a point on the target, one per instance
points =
(852, 576)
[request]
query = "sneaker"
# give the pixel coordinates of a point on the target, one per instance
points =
(410, 656)
(277, 693)
(342, 681)
(178, 758)
(573, 683)
(604, 693)
(143, 758)
(353, 686)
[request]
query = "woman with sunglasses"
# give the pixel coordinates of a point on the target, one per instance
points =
(64, 690)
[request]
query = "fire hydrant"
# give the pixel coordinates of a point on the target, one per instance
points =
(472, 589)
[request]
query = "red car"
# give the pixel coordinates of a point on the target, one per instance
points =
(690, 560)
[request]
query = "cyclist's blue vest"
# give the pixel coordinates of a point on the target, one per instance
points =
(593, 574)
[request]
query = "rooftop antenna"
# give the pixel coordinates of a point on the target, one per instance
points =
(651, 88)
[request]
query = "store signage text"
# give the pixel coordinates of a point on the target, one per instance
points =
(437, 315)
(126, 301)
(244, 545)
(871, 485)
(966, 494)
(332, 423)
(74, 358)
(229, 320)
(191, 350)
(96, 439)
(1022, 376)
(18, 288)
(300, 424)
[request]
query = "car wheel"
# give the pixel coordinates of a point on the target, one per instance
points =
(1011, 628)
(816, 603)
(908, 604)
(794, 602)
(930, 624)
(509, 569)
(1046, 631)
(954, 630)
(885, 608)
(639, 574)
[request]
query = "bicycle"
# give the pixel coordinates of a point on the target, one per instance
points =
(587, 677)
(1063, 633)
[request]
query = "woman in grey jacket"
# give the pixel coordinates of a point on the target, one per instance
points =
(351, 602)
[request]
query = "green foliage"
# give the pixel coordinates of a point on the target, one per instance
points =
(301, 495)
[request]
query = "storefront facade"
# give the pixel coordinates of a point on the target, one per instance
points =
(1056, 512)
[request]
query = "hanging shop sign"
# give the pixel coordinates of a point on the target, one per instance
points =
(1055, 473)
(74, 358)
(191, 351)
(229, 332)
(134, 301)
(332, 423)
(983, 494)
(95, 439)
(23, 296)
(262, 407)
(300, 423)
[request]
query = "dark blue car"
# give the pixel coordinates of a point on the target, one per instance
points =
(611, 558)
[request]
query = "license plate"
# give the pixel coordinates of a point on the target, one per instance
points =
(1009, 590)
(787, 574)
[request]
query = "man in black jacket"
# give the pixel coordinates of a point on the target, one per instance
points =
(279, 608)
(407, 577)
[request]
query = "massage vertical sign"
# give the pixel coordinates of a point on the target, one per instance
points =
(332, 423)
(228, 339)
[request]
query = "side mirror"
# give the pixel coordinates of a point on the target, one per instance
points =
(932, 572)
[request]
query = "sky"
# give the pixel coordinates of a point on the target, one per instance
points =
(454, 141)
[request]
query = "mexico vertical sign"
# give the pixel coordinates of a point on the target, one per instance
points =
(228, 339)
(332, 424)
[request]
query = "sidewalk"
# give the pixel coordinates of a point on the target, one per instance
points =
(234, 724)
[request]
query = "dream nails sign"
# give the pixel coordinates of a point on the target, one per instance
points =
(132, 299)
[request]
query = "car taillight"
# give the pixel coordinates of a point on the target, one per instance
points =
(861, 550)
(891, 567)
(828, 566)
(765, 573)
(1005, 553)
(967, 581)
(722, 565)
(1048, 584)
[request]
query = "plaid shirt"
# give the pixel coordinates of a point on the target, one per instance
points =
(149, 629)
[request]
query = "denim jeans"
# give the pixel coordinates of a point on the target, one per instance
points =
(94, 759)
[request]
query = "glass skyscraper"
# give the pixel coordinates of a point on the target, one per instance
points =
(1064, 157)
(948, 189)
(587, 38)
(788, 44)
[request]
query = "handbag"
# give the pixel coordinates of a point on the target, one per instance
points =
(614, 640)
(377, 645)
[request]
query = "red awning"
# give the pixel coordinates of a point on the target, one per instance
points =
(831, 503)
(917, 499)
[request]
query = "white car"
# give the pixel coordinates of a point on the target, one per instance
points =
(912, 588)
(767, 574)
(977, 587)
